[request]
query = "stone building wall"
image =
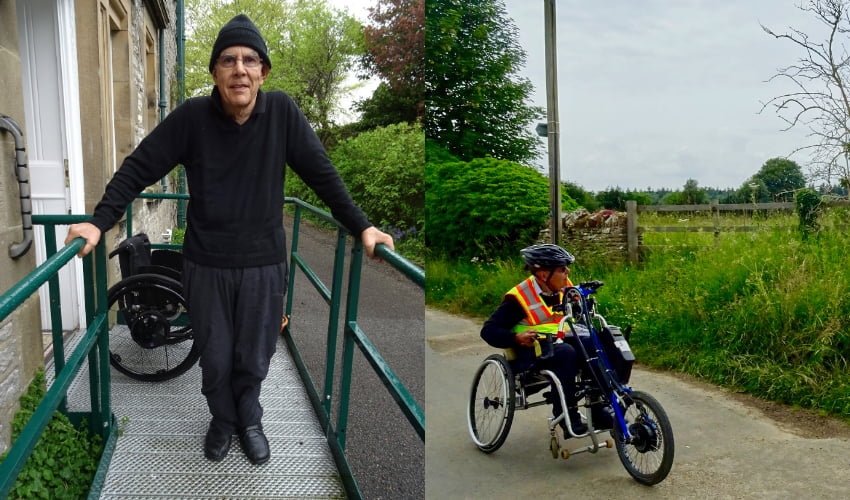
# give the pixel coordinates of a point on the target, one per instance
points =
(156, 218)
(20, 334)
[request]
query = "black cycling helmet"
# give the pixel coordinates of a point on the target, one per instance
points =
(546, 256)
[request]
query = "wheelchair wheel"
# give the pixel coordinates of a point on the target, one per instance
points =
(491, 403)
(151, 338)
(649, 455)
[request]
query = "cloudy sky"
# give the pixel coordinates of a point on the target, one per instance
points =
(652, 93)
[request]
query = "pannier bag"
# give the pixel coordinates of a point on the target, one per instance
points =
(618, 352)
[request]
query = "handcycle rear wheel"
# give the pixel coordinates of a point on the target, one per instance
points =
(648, 457)
(151, 338)
(492, 403)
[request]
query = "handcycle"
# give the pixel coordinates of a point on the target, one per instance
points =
(639, 427)
(151, 339)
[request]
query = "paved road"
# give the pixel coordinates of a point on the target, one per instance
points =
(724, 449)
(386, 455)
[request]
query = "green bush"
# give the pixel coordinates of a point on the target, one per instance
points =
(483, 208)
(807, 203)
(63, 463)
(382, 169)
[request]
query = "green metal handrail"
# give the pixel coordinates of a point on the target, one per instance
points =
(94, 345)
(353, 335)
(98, 331)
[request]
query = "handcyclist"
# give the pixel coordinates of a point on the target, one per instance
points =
(526, 311)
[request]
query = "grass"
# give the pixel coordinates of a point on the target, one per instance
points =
(765, 312)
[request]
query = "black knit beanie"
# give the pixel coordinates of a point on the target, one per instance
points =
(239, 31)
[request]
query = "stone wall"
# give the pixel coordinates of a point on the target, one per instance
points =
(20, 333)
(153, 217)
(602, 232)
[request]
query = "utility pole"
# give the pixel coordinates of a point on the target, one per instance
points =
(552, 122)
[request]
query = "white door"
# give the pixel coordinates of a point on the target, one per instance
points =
(46, 139)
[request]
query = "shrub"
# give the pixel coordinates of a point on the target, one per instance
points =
(808, 206)
(64, 460)
(383, 171)
(485, 207)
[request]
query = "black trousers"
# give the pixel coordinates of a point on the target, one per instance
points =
(235, 314)
(564, 361)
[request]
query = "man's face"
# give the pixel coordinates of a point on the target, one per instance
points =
(239, 83)
(557, 280)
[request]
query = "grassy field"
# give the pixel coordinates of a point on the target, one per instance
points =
(766, 312)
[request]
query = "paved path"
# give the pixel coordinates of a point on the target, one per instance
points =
(386, 455)
(724, 449)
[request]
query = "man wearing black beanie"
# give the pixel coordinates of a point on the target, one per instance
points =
(234, 145)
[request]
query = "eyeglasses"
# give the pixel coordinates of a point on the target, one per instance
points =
(250, 61)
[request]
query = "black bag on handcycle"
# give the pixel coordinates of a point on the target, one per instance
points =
(617, 350)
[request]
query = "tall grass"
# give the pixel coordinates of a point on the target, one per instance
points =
(767, 312)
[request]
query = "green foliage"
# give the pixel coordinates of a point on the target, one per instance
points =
(766, 313)
(777, 180)
(691, 194)
(616, 198)
(582, 198)
(483, 208)
(312, 48)
(386, 107)
(434, 153)
(63, 463)
(178, 234)
(477, 102)
(808, 205)
(568, 204)
(383, 171)
(396, 52)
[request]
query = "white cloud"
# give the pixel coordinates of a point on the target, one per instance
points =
(655, 92)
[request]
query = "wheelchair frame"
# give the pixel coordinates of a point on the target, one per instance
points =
(650, 432)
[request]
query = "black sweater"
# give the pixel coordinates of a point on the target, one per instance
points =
(236, 178)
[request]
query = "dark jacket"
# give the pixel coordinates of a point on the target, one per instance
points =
(236, 178)
(498, 329)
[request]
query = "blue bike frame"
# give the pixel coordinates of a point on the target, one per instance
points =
(600, 366)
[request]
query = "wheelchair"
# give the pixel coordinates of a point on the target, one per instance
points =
(151, 338)
(637, 423)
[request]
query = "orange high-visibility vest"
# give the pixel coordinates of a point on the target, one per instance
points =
(538, 315)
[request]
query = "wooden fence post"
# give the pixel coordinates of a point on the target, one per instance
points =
(715, 218)
(631, 230)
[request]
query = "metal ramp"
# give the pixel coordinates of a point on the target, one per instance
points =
(159, 451)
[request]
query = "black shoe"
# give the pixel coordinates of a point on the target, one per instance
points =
(576, 424)
(217, 443)
(254, 444)
(603, 419)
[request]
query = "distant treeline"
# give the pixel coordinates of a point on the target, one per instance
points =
(777, 180)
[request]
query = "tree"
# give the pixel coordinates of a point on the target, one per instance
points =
(395, 46)
(311, 46)
(578, 193)
(691, 194)
(477, 105)
(820, 101)
(777, 180)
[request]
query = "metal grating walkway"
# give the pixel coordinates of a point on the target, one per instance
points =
(161, 431)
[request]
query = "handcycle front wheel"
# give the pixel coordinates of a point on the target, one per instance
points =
(492, 403)
(151, 338)
(648, 456)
